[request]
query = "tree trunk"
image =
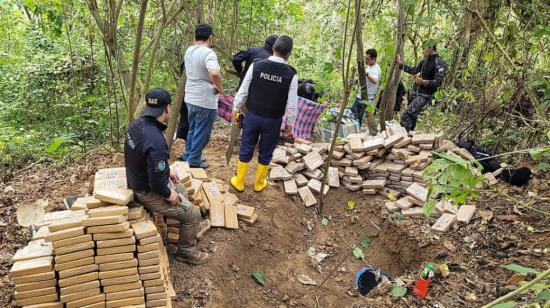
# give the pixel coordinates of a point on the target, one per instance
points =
(173, 120)
(361, 66)
(135, 62)
(387, 103)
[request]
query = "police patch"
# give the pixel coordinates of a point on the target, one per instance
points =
(160, 165)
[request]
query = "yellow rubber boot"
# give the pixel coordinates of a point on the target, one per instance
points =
(238, 180)
(261, 178)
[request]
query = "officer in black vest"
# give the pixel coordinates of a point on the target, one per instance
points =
(251, 55)
(271, 86)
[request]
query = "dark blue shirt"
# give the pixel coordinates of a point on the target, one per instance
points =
(249, 56)
(146, 157)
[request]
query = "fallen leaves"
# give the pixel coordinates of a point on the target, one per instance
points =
(258, 276)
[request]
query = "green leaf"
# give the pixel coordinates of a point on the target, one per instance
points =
(258, 277)
(358, 253)
(505, 305)
(351, 205)
(50, 149)
(451, 157)
(365, 242)
(429, 207)
(543, 296)
(324, 221)
(520, 269)
(398, 291)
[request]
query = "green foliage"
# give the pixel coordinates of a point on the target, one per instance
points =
(258, 276)
(358, 253)
(52, 102)
(365, 242)
(451, 177)
(351, 205)
(398, 291)
(520, 269)
(540, 290)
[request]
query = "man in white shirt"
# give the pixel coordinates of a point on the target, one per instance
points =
(373, 80)
(202, 88)
(271, 88)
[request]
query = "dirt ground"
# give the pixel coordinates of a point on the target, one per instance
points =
(278, 242)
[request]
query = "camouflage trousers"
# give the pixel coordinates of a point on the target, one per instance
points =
(188, 214)
(415, 107)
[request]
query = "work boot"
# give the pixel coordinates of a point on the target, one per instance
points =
(194, 257)
(204, 226)
(237, 181)
(187, 250)
(261, 177)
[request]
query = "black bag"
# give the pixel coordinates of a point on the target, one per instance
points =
(489, 164)
(517, 177)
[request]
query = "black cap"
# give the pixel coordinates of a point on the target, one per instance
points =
(156, 101)
(203, 31)
(270, 40)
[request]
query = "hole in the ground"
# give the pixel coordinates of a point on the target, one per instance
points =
(395, 253)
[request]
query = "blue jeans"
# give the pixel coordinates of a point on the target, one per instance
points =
(265, 130)
(201, 122)
(358, 110)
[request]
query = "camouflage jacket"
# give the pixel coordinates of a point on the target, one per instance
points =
(432, 70)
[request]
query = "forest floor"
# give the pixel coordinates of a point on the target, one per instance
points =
(277, 244)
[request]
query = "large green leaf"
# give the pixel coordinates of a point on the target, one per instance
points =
(358, 253)
(398, 291)
(543, 296)
(520, 269)
(258, 277)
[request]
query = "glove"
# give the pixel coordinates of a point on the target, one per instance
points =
(236, 117)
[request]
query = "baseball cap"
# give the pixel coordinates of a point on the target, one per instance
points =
(156, 101)
(203, 30)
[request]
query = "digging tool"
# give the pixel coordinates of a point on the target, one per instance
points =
(29, 215)
(234, 132)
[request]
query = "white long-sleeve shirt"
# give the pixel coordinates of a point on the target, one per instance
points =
(291, 103)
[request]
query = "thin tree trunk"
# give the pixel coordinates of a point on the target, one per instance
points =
(200, 11)
(135, 61)
(235, 22)
(361, 66)
(173, 120)
(387, 104)
(345, 81)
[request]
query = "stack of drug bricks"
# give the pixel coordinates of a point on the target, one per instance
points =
(212, 197)
(390, 164)
(103, 252)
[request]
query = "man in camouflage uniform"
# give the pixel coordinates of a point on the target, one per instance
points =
(429, 76)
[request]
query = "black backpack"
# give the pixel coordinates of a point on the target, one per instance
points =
(489, 164)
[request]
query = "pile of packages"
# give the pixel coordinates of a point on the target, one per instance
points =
(390, 164)
(106, 250)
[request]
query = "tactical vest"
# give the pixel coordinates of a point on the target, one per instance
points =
(268, 92)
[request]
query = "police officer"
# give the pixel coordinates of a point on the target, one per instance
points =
(271, 86)
(429, 76)
(148, 174)
(252, 54)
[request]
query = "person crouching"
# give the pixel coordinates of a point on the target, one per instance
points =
(271, 88)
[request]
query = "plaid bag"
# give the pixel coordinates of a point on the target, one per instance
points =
(225, 106)
(308, 113)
